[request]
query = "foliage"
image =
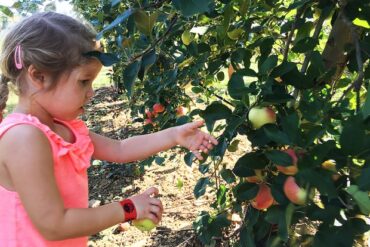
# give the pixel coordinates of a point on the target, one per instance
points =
(306, 60)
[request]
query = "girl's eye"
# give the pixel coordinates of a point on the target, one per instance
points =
(84, 82)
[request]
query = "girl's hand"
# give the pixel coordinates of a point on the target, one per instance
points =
(147, 206)
(191, 137)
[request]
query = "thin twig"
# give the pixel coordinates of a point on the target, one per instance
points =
(291, 33)
(149, 49)
(156, 4)
(357, 83)
(216, 95)
(315, 36)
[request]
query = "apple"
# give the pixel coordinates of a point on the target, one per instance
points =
(289, 170)
(260, 116)
(143, 224)
(294, 193)
(158, 108)
(258, 178)
(148, 114)
(148, 121)
(329, 165)
(230, 71)
(264, 198)
(181, 111)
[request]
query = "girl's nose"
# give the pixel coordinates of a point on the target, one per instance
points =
(90, 93)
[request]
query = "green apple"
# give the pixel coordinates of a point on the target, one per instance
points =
(260, 116)
(143, 224)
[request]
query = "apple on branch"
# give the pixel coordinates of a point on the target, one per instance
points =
(181, 111)
(264, 198)
(294, 193)
(258, 178)
(289, 170)
(158, 108)
(260, 116)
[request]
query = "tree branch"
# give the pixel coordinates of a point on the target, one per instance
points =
(315, 36)
(157, 4)
(357, 83)
(149, 49)
(291, 33)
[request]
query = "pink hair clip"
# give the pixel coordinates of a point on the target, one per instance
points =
(17, 57)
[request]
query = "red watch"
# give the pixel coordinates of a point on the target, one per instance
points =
(129, 209)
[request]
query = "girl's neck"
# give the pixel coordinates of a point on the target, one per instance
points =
(43, 116)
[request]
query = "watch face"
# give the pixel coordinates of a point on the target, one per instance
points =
(129, 207)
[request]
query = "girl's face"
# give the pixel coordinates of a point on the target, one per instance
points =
(67, 100)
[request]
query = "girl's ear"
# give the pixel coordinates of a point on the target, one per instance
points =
(37, 77)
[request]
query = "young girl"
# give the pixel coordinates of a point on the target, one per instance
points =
(45, 150)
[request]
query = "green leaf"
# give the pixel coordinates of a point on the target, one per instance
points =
(366, 107)
(361, 23)
(268, 64)
(189, 157)
(200, 187)
(129, 76)
(236, 87)
(6, 11)
(305, 45)
(282, 69)
(246, 191)
(276, 135)
(145, 22)
(364, 179)
(245, 164)
(361, 197)
(159, 160)
(290, 125)
(228, 176)
(187, 37)
(146, 62)
(221, 195)
(107, 59)
(273, 99)
(192, 7)
(321, 181)
(215, 111)
(235, 34)
(353, 129)
(279, 157)
(116, 22)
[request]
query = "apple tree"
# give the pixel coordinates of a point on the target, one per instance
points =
(290, 77)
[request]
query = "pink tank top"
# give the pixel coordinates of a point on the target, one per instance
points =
(71, 161)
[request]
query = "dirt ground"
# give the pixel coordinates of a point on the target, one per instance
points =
(109, 182)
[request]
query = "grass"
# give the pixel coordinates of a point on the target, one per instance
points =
(102, 80)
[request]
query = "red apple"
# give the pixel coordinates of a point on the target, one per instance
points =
(260, 116)
(258, 178)
(264, 198)
(289, 170)
(148, 121)
(148, 114)
(158, 108)
(181, 111)
(294, 193)
(230, 71)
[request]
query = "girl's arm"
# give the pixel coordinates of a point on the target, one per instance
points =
(143, 146)
(32, 176)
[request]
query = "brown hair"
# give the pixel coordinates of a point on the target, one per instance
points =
(52, 42)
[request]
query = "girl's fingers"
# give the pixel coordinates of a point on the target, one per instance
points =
(156, 202)
(151, 191)
(197, 155)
